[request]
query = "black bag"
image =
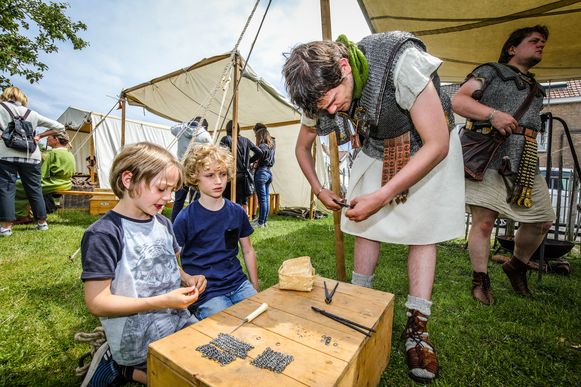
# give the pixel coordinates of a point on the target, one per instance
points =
(248, 184)
(19, 134)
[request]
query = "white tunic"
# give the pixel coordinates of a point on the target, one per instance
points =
(434, 210)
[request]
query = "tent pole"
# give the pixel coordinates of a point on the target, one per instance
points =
(235, 125)
(312, 196)
(92, 159)
(334, 154)
(123, 109)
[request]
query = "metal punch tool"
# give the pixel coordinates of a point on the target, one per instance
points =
(329, 296)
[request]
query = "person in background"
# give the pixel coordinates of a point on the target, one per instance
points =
(210, 230)
(489, 97)
(407, 176)
(131, 275)
(58, 167)
(14, 162)
(195, 131)
(262, 173)
(243, 161)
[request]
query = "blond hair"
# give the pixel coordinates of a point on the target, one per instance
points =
(14, 94)
(145, 161)
(199, 157)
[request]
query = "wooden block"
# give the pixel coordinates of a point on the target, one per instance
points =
(274, 203)
(99, 205)
(290, 326)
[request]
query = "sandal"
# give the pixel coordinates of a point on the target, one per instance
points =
(420, 353)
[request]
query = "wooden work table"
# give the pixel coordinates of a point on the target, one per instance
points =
(289, 325)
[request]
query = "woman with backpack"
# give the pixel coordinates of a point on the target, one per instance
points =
(20, 156)
(263, 175)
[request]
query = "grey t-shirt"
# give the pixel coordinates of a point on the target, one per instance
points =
(139, 257)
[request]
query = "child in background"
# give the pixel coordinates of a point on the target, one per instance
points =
(130, 269)
(210, 229)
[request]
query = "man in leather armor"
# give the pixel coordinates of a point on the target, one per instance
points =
(406, 182)
(489, 98)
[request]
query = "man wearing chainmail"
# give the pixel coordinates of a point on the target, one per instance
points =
(512, 186)
(406, 182)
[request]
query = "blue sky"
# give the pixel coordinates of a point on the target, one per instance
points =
(134, 41)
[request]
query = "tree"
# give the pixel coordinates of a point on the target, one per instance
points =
(29, 27)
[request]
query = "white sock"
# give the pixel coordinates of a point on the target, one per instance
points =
(420, 304)
(362, 280)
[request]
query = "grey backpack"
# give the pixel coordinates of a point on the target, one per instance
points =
(19, 134)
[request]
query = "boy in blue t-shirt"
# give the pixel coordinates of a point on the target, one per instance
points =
(209, 230)
(130, 269)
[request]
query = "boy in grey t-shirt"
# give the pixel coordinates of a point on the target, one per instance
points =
(131, 274)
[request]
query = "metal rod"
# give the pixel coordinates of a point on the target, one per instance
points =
(344, 321)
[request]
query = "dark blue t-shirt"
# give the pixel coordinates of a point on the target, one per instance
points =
(209, 242)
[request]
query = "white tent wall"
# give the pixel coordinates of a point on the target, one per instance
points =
(81, 148)
(107, 138)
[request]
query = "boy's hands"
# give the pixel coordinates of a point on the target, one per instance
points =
(181, 298)
(199, 281)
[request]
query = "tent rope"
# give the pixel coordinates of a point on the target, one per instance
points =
(90, 136)
(224, 80)
(247, 59)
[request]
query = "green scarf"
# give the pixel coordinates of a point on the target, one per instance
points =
(359, 65)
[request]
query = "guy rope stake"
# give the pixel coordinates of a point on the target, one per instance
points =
(263, 307)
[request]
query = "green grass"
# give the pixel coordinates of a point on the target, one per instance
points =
(517, 341)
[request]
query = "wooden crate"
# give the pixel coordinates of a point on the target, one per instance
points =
(102, 201)
(274, 199)
(291, 327)
(274, 203)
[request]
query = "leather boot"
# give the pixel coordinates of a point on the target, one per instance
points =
(516, 271)
(481, 288)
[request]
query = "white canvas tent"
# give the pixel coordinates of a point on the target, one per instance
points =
(185, 93)
(105, 141)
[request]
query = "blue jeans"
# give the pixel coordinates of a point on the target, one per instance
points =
(180, 199)
(30, 176)
(262, 180)
(219, 303)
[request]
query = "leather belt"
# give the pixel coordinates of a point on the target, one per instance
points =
(527, 132)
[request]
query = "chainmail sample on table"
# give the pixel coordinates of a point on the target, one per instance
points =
(232, 345)
(224, 349)
(272, 360)
(213, 353)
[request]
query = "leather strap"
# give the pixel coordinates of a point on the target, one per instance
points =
(527, 102)
(527, 132)
(396, 154)
(470, 125)
(12, 114)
